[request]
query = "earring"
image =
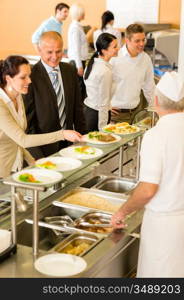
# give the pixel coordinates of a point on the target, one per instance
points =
(9, 88)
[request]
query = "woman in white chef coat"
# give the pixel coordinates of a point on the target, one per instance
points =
(98, 81)
(107, 26)
(78, 44)
(161, 186)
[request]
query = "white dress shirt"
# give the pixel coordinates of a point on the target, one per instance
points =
(130, 75)
(77, 44)
(49, 69)
(108, 29)
(162, 162)
(99, 90)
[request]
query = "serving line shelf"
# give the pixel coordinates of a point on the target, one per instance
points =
(70, 178)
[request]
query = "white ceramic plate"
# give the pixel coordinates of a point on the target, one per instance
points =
(105, 129)
(92, 152)
(60, 264)
(96, 142)
(44, 177)
(62, 163)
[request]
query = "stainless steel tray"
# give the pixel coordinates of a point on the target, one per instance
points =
(103, 218)
(118, 185)
(95, 222)
(71, 209)
(75, 240)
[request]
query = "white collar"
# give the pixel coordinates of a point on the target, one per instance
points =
(48, 68)
(108, 26)
(77, 23)
(124, 52)
(53, 17)
(5, 98)
(100, 60)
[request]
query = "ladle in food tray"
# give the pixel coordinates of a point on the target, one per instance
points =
(87, 224)
(67, 229)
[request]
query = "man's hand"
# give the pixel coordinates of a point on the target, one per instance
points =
(118, 220)
(72, 135)
(115, 111)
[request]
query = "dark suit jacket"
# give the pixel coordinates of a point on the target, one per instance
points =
(42, 110)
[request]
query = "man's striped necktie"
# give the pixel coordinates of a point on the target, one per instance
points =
(60, 98)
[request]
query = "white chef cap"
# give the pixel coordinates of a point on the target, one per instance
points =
(171, 85)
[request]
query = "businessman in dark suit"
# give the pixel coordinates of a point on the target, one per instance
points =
(41, 102)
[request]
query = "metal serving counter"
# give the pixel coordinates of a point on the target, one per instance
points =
(105, 252)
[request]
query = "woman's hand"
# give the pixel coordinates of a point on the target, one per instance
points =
(72, 135)
(32, 163)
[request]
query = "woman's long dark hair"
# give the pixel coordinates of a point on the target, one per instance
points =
(102, 43)
(106, 18)
(10, 66)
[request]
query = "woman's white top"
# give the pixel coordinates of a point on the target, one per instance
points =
(99, 90)
(77, 44)
(108, 29)
(162, 163)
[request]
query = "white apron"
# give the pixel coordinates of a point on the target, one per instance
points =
(161, 252)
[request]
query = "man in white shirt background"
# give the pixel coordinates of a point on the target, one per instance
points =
(78, 44)
(132, 72)
(54, 23)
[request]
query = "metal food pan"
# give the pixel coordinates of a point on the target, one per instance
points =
(73, 209)
(76, 240)
(117, 185)
(105, 218)
(102, 227)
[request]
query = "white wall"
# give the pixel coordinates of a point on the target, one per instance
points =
(130, 11)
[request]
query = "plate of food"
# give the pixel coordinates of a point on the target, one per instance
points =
(60, 264)
(121, 129)
(81, 152)
(37, 176)
(58, 163)
(101, 138)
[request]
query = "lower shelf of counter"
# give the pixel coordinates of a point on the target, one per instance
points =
(114, 256)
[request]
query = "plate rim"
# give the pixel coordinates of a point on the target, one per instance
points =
(61, 157)
(84, 157)
(121, 134)
(33, 170)
(64, 255)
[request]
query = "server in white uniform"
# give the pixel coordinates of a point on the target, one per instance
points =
(132, 73)
(78, 44)
(161, 186)
(98, 81)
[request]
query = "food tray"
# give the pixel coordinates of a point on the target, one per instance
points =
(72, 209)
(94, 219)
(117, 185)
(75, 240)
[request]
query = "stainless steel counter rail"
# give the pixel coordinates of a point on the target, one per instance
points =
(36, 189)
(138, 158)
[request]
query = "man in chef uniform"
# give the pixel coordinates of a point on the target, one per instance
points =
(161, 186)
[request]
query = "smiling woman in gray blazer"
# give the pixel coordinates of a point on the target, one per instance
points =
(14, 81)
